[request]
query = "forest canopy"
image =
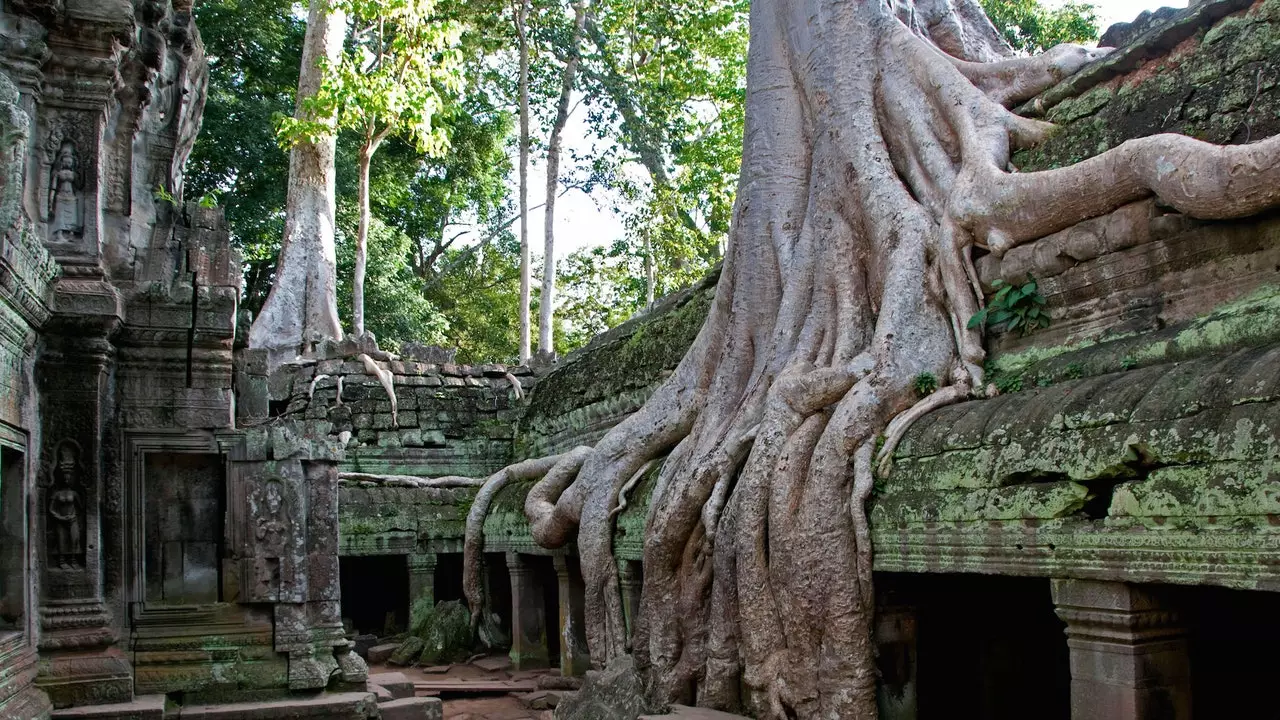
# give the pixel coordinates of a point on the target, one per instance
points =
(660, 91)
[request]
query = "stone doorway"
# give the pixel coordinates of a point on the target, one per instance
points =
(184, 499)
(375, 593)
(1231, 635)
(13, 546)
(991, 646)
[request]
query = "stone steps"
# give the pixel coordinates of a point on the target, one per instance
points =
(415, 708)
(347, 706)
(146, 707)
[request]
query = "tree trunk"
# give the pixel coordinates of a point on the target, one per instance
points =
(302, 307)
(872, 165)
(522, 16)
(553, 183)
(650, 271)
(365, 159)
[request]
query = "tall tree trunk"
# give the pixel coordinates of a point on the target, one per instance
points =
(875, 157)
(362, 240)
(302, 307)
(522, 16)
(553, 182)
(650, 271)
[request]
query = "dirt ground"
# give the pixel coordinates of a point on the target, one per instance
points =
(477, 707)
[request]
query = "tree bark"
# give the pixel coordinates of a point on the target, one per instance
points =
(553, 183)
(362, 239)
(875, 157)
(302, 307)
(522, 16)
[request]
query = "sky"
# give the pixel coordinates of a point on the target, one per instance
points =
(588, 220)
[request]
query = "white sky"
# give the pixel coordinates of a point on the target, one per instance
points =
(586, 221)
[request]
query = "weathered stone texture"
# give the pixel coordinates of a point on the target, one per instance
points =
(1199, 74)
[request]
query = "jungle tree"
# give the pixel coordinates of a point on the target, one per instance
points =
(876, 158)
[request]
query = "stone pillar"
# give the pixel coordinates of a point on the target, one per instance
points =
(630, 583)
(574, 657)
(422, 585)
(80, 662)
(895, 634)
(1129, 658)
(528, 625)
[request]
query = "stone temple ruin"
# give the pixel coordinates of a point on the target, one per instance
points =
(183, 532)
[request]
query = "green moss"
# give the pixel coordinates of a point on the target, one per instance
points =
(625, 361)
(1202, 92)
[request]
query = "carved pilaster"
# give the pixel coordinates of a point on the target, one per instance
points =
(528, 623)
(422, 585)
(574, 656)
(630, 583)
(1129, 655)
(80, 664)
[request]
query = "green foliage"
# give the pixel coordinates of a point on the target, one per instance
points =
(399, 67)
(1031, 27)
(1074, 371)
(254, 49)
(925, 384)
(1128, 362)
(1016, 307)
(1007, 383)
(163, 195)
(396, 308)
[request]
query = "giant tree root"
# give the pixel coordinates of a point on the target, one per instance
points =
(876, 156)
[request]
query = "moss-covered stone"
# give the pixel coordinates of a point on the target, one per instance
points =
(445, 631)
(1219, 86)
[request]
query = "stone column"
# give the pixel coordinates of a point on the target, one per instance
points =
(630, 582)
(422, 584)
(1129, 658)
(528, 626)
(574, 657)
(80, 662)
(895, 634)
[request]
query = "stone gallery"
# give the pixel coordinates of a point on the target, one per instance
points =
(1083, 524)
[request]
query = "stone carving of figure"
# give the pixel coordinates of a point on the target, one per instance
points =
(66, 509)
(272, 531)
(273, 527)
(64, 195)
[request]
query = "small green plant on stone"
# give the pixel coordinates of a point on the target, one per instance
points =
(1016, 307)
(208, 200)
(1043, 381)
(1128, 362)
(1075, 371)
(1008, 383)
(164, 195)
(925, 384)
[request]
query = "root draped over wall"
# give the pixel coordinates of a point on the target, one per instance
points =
(875, 160)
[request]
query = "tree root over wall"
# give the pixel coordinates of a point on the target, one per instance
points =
(876, 157)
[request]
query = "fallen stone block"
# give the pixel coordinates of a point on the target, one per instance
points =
(383, 694)
(493, 663)
(381, 653)
(418, 708)
(396, 683)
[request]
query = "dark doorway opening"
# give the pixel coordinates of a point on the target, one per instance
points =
(991, 646)
(13, 546)
(1231, 636)
(499, 580)
(375, 593)
(448, 579)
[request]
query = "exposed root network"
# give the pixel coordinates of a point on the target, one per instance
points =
(876, 157)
